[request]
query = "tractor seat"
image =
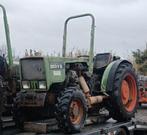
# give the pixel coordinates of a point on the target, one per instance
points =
(101, 61)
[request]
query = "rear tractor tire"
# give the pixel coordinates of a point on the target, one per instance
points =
(124, 97)
(71, 110)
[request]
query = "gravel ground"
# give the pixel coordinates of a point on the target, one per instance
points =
(141, 116)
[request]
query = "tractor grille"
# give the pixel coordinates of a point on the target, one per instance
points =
(34, 85)
(32, 69)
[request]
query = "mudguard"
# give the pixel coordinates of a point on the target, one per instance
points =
(109, 74)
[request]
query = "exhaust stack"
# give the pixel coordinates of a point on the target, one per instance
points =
(91, 99)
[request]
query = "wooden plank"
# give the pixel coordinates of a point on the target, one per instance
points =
(35, 127)
(43, 126)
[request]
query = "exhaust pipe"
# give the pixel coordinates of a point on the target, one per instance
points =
(91, 99)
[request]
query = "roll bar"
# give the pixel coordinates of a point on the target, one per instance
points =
(91, 52)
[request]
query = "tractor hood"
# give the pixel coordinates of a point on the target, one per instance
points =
(48, 69)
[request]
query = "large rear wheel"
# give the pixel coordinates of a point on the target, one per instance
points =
(124, 97)
(71, 110)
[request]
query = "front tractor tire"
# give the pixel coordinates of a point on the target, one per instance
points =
(71, 110)
(124, 97)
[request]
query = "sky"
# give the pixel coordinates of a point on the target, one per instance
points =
(121, 25)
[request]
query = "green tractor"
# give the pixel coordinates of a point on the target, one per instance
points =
(72, 89)
(9, 75)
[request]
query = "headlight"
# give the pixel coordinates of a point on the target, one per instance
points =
(42, 85)
(25, 85)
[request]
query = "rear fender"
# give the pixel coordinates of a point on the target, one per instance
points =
(109, 74)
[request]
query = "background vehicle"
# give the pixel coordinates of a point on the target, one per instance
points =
(72, 89)
(9, 75)
(142, 89)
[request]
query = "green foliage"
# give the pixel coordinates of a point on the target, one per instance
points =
(141, 60)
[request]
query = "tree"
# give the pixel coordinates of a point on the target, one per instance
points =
(4, 53)
(140, 57)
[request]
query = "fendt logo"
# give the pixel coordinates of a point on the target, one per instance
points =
(34, 85)
(56, 66)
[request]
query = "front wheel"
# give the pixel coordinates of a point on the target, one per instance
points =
(71, 110)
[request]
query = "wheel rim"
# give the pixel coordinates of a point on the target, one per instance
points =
(129, 93)
(76, 112)
(125, 92)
